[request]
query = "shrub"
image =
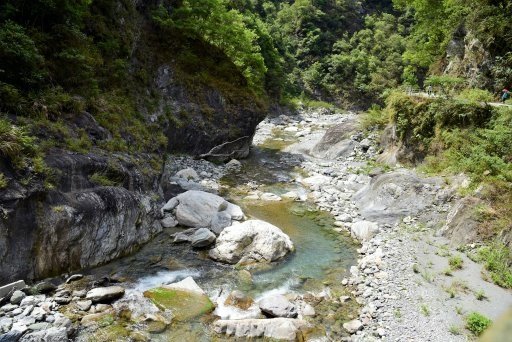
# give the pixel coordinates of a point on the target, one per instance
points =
(455, 262)
(3, 181)
(497, 259)
(15, 143)
(374, 117)
(476, 95)
(104, 179)
(477, 323)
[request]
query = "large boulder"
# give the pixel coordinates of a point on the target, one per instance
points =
(252, 241)
(286, 329)
(198, 208)
(278, 306)
(185, 299)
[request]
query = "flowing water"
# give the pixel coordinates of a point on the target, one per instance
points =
(321, 258)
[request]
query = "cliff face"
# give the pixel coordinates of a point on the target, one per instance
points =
(467, 57)
(105, 158)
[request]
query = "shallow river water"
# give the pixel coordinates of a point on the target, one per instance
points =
(321, 258)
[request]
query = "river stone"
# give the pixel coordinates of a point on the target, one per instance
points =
(353, 326)
(185, 299)
(278, 306)
(239, 299)
(13, 335)
(105, 294)
(287, 329)
(316, 180)
(184, 236)
(50, 335)
(188, 173)
(202, 238)
(198, 208)
(220, 221)
(5, 324)
(233, 164)
(170, 205)
(291, 195)
(364, 230)
(38, 314)
(39, 326)
(84, 305)
(168, 222)
(17, 297)
(234, 211)
(44, 287)
(268, 196)
(249, 242)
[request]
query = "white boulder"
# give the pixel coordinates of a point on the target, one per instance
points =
(250, 242)
(364, 230)
(286, 329)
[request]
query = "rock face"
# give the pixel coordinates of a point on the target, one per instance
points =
(252, 241)
(391, 196)
(219, 125)
(278, 306)
(199, 208)
(336, 142)
(278, 328)
(78, 224)
(461, 226)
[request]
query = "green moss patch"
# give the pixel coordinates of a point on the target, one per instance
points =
(183, 304)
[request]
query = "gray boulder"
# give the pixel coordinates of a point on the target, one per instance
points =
(13, 335)
(188, 174)
(17, 297)
(278, 306)
(252, 241)
(105, 294)
(202, 238)
(286, 329)
(198, 208)
(220, 221)
(353, 326)
(49, 335)
(184, 236)
(168, 222)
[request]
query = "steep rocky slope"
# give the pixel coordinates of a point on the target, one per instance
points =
(88, 191)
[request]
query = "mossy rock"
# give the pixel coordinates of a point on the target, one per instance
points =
(184, 305)
(114, 332)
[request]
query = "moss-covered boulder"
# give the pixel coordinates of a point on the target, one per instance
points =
(185, 299)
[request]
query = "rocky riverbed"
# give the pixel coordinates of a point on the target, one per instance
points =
(245, 253)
